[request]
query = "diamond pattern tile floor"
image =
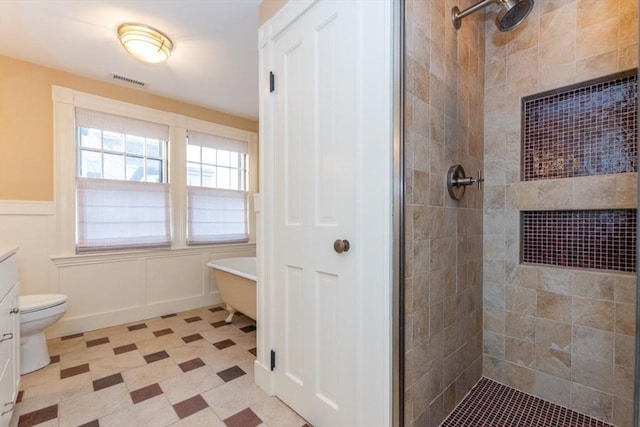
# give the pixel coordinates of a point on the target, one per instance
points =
(177, 369)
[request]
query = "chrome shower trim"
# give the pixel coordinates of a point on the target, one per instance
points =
(521, 9)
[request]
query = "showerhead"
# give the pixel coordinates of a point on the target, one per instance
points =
(512, 12)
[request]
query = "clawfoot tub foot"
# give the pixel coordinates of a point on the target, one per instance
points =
(229, 318)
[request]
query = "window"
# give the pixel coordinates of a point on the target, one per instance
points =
(132, 177)
(122, 193)
(216, 189)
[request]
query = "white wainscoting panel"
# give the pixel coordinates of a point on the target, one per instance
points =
(170, 278)
(101, 288)
(108, 289)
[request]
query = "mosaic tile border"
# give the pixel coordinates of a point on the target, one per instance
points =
(591, 239)
(585, 129)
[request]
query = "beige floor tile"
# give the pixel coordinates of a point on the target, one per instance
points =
(154, 345)
(46, 375)
(82, 409)
(227, 358)
(191, 351)
(204, 418)
(131, 337)
(246, 341)
(274, 413)
(58, 346)
(234, 396)
(113, 364)
(156, 411)
(189, 384)
(219, 334)
(143, 376)
(51, 393)
(85, 355)
(105, 332)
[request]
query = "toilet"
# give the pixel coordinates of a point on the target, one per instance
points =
(37, 312)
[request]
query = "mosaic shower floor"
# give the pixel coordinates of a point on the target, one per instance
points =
(491, 404)
(185, 369)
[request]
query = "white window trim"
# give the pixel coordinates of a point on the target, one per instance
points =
(65, 100)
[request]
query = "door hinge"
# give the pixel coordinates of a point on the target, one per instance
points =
(272, 81)
(273, 360)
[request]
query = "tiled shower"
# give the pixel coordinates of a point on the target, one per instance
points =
(560, 322)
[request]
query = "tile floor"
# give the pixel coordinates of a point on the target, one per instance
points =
(491, 404)
(185, 369)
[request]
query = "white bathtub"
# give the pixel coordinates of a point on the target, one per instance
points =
(236, 279)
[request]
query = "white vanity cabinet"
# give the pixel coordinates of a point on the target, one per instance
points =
(9, 334)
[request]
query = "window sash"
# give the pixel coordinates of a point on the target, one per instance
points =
(216, 216)
(121, 214)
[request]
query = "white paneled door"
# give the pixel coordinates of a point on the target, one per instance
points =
(315, 180)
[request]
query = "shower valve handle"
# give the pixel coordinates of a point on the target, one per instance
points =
(456, 181)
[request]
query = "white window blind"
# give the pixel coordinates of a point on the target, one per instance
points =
(217, 208)
(121, 214)
(125, 125)
(216, 215)
(217, 142)
(114, 213)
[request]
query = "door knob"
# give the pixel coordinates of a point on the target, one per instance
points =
(341, 246)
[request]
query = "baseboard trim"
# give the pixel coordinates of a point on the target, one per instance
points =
(69, 326)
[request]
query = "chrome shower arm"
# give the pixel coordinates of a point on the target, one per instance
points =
(457, 15)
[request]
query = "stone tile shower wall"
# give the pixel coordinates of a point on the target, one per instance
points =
(443, 126)
(563, 334)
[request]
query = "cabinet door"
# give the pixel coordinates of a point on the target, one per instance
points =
(6, 355)
(15, 342)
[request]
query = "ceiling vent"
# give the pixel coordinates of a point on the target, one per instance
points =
(127, 80)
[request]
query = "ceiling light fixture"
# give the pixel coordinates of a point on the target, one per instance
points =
(144, 42)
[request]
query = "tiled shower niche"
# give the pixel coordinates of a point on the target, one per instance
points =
(585, 129)
(593, 239)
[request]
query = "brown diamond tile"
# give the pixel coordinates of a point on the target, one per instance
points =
(107, 381)
(192, 364)
(166, 316)
(248, 328)
(215, 309)
(220, 345)
(192, 338)
(162, 332)
(54, 359)
(39, 416)
(93, 423)
(145, 393)
(74, 370)
(98, 341)
(125, 348)
(19, 398)
(154, 357)
(246, 418)
(254, 351)
(192, 319)
(219, 324)
(231, 374)
(70, 337)
(190, 406)
(136, 327)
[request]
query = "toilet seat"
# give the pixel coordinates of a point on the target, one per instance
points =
(32, 303)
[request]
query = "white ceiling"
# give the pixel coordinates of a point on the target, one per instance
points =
(214, 63)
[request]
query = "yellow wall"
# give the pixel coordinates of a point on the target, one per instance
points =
(267, 9)
(26, 122)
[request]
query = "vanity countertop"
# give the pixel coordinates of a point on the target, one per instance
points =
(7, 251)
